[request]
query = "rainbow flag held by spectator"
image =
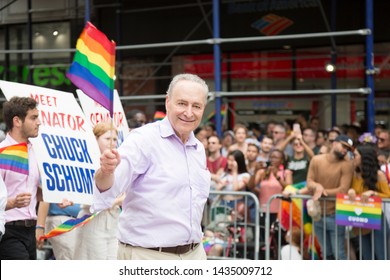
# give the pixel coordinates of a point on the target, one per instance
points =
(359, 213)
(93, 67)
(15, 158)
(211, 116)
(207, 243)
(158, 116)
(69, 225)
(297, 208)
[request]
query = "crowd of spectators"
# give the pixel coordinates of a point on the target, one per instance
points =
(280, 154)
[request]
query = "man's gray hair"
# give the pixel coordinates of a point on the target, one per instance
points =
(187, 77)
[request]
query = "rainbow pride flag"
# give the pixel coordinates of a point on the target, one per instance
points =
(357, 213)
(69, 225)
(211, 116)
(296, 209)
(158, 116)
(207, 243)
(15, 158)
(93, 66)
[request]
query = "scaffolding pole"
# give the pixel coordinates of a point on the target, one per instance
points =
(217, 68)
(269, 93)
(214, 94)
(211, 41)
(370, 69)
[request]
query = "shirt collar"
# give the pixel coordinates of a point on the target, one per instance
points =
(166, 130)
(12, 141)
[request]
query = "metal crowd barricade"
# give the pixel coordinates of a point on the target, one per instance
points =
(240, 236)
(350, 252)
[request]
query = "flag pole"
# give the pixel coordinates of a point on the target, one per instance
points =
(87, 11)
(113, 59)
(111, 132)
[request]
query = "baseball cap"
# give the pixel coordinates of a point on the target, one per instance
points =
(345, 140)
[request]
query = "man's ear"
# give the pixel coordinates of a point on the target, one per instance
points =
(17, 121)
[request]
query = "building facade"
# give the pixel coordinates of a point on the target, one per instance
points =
(158, 39)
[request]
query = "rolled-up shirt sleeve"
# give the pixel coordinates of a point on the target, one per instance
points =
(102, 200)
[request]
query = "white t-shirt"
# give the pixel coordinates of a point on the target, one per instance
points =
(383, 168)
(287, 255)
(229, 180)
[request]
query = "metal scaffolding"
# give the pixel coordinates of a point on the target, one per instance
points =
(216, 41)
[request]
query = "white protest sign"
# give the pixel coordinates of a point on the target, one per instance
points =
(95, 113)
(66, 149)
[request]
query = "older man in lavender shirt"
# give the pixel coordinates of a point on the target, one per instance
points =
(162, 169)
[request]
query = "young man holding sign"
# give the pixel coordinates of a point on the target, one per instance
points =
(21, 117)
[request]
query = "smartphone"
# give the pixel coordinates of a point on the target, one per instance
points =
(297, 128)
